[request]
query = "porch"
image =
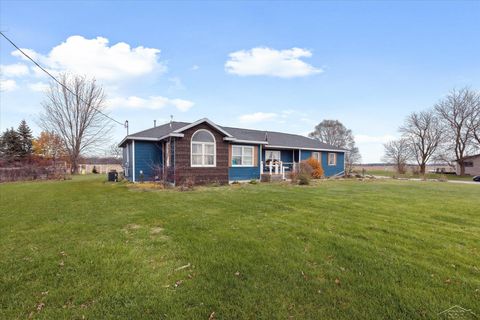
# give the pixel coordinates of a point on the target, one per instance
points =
(278, 169)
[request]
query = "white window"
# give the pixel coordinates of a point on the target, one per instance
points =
(203, 149)
(317, 156)
(332, 159)
(242, 156)
(271, 155)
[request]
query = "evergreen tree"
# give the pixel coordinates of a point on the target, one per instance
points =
(10, 145)
(26, 139)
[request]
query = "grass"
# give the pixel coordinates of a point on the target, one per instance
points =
(335, 250)
(390, 173)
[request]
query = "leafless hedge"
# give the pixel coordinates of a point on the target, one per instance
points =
(28, 172)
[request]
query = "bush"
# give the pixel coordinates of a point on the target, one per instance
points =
(253, 181)
(317, 170)
(303, 179)
(293, 177)
(188, 184)
(305, 168)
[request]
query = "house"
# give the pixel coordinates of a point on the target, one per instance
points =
(472, 165)
(206, 152)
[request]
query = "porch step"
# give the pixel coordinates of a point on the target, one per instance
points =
(276, 177)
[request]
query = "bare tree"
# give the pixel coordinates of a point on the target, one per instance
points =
(474, 122)
(333, 132)
(424, 135)
(76, 118)
(456, 111)
(398, 152)
(114, 151)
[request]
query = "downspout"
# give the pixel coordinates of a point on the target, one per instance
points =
(260, 163)
(133, 160)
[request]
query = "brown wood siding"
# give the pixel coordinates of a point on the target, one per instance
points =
(200, 175)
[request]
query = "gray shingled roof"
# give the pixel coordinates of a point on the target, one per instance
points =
(277, 139)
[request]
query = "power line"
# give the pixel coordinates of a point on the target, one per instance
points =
(61, 84)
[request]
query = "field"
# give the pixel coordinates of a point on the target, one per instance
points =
(410, 175)
(334, 250)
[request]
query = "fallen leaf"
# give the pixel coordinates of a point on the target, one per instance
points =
(212, 316)
(40, 306)
(337, 281)
(61, 264)
(179, 282)
(237, 273)
(448, 281)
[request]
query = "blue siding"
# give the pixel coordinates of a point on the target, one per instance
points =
(147, 156)
(333, 170)
(245, 173)
(289, 155)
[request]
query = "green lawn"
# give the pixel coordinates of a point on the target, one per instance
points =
(389, 173)
(336, 250)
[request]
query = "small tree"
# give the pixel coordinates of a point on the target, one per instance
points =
(10, 145)
(398, 153)
(26, 140)
(49, 145)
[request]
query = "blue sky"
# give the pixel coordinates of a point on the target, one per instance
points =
(269, 65)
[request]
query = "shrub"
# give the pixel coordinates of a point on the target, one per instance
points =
(293, 177)
(317, 170)
(303, 179)
(188, 184)
(305, 168)
(253, 181)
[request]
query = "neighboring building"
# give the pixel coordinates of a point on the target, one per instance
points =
(206, 153)
(472, 165)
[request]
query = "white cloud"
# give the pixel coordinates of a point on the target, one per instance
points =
(7, 85)
(195, 67)
(363, 138)
(270, 62)
(14, 70)
(95, 58)
(39, 86)
(152, 103)
(257, 117)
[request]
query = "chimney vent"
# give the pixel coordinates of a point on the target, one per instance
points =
(154, 123)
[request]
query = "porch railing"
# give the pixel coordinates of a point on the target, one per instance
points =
(277, 168)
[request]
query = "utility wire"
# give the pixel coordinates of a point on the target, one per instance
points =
(61, 84)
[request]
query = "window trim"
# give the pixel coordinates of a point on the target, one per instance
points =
(279, 155)
(242, 155)
(318, 157)
(214, 144)
(334, 159)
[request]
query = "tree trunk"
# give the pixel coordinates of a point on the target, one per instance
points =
(422, 168)
(462, 167)
(74, 163)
